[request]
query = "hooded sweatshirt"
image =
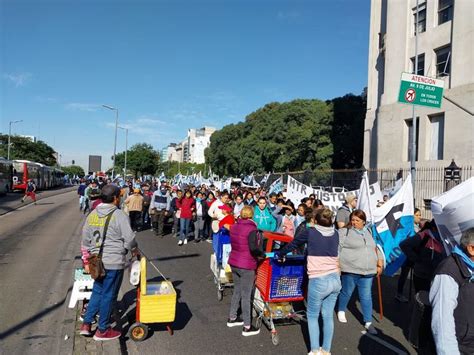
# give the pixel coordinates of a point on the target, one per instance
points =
(264, 219)
(119, 239)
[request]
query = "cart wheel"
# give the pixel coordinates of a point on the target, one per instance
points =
(138, 332)
(275, 338)
(220, 295)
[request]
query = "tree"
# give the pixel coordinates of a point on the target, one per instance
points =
(277, 137)
(24, 148)
(73, 170)
(142, 159)
(172, 168)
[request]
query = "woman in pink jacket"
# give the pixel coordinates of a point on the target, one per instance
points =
(186, 207)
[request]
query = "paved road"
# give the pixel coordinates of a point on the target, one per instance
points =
(39, 247)
(38, 244)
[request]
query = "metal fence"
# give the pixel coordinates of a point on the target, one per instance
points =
(429, 181)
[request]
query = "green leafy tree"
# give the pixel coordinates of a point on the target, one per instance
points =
(24, 148)
(73, 170)
(172, 168)
(142, 159)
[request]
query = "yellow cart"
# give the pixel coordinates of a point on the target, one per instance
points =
(156, 303)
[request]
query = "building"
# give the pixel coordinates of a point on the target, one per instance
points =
(445, 50)
(191, 149)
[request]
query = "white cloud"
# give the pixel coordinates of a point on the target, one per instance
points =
(291, 15)
(18, 79)
(79, 106)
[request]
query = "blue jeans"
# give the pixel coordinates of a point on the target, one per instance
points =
(322, 297)
(364, 287)
(104, 295)
(184, 224)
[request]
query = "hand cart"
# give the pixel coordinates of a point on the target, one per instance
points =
(156, 303)
(220, 268)
(277, 286)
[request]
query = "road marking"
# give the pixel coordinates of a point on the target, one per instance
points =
(384, 343)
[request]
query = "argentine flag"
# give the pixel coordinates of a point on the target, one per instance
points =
(392, 223)
(276, 186)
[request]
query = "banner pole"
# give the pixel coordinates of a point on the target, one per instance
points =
(379, 286)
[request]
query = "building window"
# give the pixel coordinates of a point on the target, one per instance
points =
(421, 65)
(445, 11)
(437, 137)
(420, 26)
(443, 61)
(409, 124)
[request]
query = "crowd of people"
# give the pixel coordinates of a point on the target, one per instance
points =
(341, 254)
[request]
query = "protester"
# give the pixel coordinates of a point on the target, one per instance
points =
(287, 225)
(243, 260)
(134, 204)
(343, 213)
(238, 205)
(30, 191)
(80, 192)
(160, 205)
(228, 219)
(215, 213)
(407, 265)
(186, 207)
(147, 198)
(199, 216)
(119, 239)
(452, 299)
(360, 262)
(174, 210)
(323, 273)
(263, 217)
(425, 251)
(300, 215)
(249, 200)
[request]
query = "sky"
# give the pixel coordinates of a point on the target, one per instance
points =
(168, 65)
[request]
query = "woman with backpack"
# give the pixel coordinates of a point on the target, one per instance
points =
(246, 244)
(323, 272)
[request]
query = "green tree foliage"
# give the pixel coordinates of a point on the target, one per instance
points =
(290, 136)
(172, 168)
(23, 148)
(142, 159)
(73, 170)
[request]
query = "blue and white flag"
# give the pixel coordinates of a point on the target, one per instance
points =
(393, 223)
(276, 186)
(162, 177)
(265, 179)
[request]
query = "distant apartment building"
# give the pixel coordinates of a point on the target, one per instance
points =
(445, 31)
(191, 149)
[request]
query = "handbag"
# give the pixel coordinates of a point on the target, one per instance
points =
(96, 266)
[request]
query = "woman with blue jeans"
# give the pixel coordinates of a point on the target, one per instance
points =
(323, 273)
(360, 262)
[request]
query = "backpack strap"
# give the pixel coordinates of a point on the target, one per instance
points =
(107, 221)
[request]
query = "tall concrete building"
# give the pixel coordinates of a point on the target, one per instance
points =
(191, 149)
(445, 50)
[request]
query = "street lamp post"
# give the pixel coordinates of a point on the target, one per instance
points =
(126, 150)
(115, 140)
(9, 135)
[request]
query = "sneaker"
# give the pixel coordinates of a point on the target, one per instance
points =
(209, 241)
(401, 298)
(86, 330)
(234, 323)
(180, 243)
(247, 332)
(197, 240)
(186, 241)
(370, 328)
(341, 317)
(109, 334)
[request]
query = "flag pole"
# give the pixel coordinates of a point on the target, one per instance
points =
(379, 282)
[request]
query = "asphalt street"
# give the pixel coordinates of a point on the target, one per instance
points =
(39, 248)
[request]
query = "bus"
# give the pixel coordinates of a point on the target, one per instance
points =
(24, 170)
(6, 176)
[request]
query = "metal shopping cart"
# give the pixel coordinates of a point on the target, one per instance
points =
(220, 268)
(278, 285)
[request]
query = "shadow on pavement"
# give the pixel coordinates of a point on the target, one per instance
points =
(195, 255)
(380, 344)
(33, 318)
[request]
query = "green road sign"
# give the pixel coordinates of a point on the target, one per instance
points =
(420, 90)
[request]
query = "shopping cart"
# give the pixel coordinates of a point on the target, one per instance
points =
(220, 268)
(156, 303)
(278, 285)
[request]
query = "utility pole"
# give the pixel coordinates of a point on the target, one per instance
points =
(9, 135)
(413, 136)
(115, 140)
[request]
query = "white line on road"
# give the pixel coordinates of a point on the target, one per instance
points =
(384, 343)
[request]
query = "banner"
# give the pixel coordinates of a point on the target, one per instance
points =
(276, 187)
(366, 201)
(296, 191)
(453, 212)
(393, 223)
